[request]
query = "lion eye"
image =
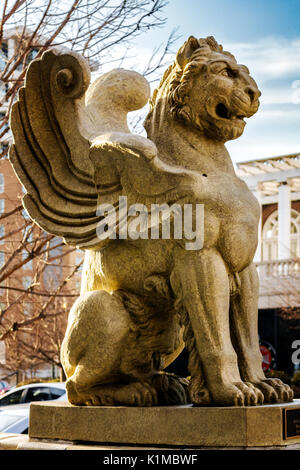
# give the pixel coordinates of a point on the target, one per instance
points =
(227, 73)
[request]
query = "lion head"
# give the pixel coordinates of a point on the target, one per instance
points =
(206, 88)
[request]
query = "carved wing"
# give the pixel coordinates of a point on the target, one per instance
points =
(65, 170)
(49, 155)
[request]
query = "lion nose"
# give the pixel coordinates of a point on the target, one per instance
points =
(253, 93)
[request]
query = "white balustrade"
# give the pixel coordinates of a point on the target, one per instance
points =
(288, 268)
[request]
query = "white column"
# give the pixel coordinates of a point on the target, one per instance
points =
(257, 256)
(284, 221)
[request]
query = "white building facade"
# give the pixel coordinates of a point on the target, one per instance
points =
(276, 184)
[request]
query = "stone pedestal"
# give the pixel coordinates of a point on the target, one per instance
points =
(258, 426)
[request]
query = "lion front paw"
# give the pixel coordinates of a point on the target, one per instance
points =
(235, 394)
(275, 391)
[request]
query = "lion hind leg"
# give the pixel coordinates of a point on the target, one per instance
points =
(94, 343)
(136, 393)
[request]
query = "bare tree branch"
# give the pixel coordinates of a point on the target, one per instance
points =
(103, 31)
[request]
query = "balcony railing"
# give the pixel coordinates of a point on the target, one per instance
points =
(288, 268)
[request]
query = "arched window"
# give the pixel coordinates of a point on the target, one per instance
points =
(295, 234)
(270, 236)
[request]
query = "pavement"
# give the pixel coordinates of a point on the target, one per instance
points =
(23, 442)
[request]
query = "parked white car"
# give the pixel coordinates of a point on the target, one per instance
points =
(34, 392)
(14, 405)
(14, 419)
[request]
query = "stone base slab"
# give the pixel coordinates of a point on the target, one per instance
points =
(166, 426)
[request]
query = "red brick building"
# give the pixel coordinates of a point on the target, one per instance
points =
(44, 274)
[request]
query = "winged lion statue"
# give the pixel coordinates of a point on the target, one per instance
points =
(143, 299)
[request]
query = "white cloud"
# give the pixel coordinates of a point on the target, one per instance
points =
(280, 95)
(247, 149)
(269, 58)
(267, 113)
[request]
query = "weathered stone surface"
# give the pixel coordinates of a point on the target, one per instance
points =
(73, 151)
(172, 426)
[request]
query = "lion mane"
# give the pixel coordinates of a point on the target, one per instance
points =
(176, 81)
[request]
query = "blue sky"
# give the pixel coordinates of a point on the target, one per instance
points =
(233, 20)
(265, 36)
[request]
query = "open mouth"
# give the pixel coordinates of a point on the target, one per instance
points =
(223, 112)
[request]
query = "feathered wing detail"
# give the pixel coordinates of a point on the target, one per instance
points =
(49, 155)
(64, 174)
